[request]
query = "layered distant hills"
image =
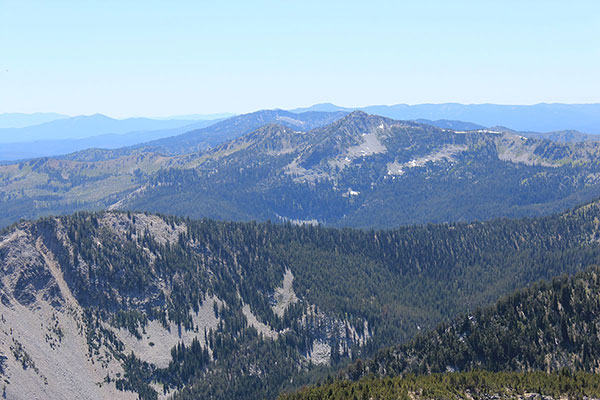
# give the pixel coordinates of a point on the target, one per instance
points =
(84, 126)
(22, 120)
(67, 135)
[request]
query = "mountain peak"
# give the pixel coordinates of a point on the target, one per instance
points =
(361, 120)
(357, 116)
(357, 113)
(92, 117)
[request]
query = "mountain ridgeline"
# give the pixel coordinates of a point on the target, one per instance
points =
(355, 170)
(135, 304)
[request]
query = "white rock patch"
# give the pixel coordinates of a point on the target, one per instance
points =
(445, 153)
(259, 326)
(321, 353)
(290, 120)
(284, 295)
(160, 230)
(370, 145)
(157, 342)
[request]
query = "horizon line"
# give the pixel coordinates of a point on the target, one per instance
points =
(231, 113)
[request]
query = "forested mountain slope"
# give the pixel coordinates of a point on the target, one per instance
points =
(360, 171)
(476, 385)
(550, 326)
(159, 305)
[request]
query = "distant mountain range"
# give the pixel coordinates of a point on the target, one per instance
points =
(334, 168)
(541, 117)
(85, 126)
(21, 120)
(50, 134)
(534, 118)
(199, 116)
(451, 124)
(56, 147)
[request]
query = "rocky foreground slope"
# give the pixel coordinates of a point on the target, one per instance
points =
(43, 329)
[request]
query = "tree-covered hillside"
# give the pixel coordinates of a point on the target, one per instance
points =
(476, 385)
(548, 326)
(249, 309)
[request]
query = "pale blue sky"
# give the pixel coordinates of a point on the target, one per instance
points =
(152, 58)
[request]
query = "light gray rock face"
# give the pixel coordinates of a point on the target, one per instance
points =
(43, 345)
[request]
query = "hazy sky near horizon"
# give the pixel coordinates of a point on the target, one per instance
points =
(157, 58)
